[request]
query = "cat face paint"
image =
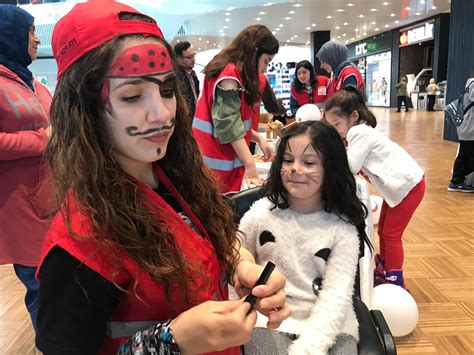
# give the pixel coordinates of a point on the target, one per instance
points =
(141, 112)
(302, 174)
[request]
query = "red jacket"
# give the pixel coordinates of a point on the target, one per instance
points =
(318, 93)
(134, 314)
(23, 192)
(221, 158)
(335, 84)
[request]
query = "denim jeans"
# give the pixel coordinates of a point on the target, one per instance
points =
(26, 274)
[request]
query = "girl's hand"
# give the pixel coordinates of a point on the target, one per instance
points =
(213, 326)
(251, 175)
(266, 149)
(271, 296)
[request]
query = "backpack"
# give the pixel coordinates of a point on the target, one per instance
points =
(455, 111)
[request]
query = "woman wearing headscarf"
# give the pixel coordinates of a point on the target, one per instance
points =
(24, 108)
(333, 57)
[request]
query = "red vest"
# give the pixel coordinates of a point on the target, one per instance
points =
(133, 314)
(335, 84)
(318, 94)
(221, 158)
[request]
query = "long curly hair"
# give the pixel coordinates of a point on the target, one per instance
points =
(80, 155)
(244, 51)
(338, 190)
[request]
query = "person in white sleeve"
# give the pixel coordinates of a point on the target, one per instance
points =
(310, 223)
(388, 167)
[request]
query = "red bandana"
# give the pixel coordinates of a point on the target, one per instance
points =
(145, 59)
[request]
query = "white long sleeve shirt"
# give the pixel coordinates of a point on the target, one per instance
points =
(389, 167)
(298, 244)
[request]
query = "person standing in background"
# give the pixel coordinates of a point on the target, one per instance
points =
(333, 57)
(431, 92)
(402, 94)
(187, 78)
(222, 125)
(307, 88)
(24, 110)
(464, 163)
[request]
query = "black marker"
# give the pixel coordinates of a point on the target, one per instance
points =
(264, 276)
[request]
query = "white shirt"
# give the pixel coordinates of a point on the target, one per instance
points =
(389, 167)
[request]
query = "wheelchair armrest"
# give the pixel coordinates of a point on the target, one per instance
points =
(384, 330)
(373, 339)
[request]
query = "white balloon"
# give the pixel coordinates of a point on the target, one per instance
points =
(308, 112)
(376, 204)
(398, 307)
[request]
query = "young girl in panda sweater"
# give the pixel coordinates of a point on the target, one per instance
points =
(310, 223)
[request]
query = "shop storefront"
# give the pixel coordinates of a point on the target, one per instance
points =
(374, 58)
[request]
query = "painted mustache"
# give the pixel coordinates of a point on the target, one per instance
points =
(132, 130)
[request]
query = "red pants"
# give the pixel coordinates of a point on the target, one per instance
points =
(392, 224)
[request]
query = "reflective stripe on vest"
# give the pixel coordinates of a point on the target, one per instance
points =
(222, 164)
(208, 127)
(127, 329)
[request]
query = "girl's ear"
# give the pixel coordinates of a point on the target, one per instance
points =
(354, 117)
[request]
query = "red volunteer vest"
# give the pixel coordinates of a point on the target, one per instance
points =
(221, 158)
(318, 95)
(133, 314)
(335, 84)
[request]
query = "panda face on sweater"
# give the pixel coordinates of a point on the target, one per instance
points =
(321, 258)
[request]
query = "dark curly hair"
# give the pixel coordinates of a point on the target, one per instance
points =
(299, 86)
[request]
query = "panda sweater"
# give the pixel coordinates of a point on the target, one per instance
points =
(318, 254)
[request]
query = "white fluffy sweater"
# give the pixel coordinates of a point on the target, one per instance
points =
(298, 245)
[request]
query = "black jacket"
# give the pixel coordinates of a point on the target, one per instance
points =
(186, 90)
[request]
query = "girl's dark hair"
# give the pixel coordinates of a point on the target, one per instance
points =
(244, 51)
(338, 190)
(299, 86)
(348, 100)
(80, 153)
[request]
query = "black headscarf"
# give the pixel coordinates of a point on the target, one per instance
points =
(14, 38)
(333, 53)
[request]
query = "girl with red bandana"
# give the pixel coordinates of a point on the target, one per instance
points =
(141, 251)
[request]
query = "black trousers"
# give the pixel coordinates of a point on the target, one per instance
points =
(401, 99)
(464, 163)
(431, 102)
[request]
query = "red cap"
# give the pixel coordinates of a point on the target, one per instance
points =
(89, 25)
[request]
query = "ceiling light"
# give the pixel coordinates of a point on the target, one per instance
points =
(392, 15)
(347, 41)
(297, 5)
(313, 25)
(268, 4)
(337, 27)
(356, 29)
(433, 7)
(352, 38)
(214, 44)
(338, 36)
(329, 16)
(418, 14)
(373, 23)
(408, 8)
(385, 3)
(280, 25)
(227, 19)
(397, 21)
(199, 48)
(340, 10)
(230, 9)
(288, 40)
(227, 14)
(361, 16)
(225, 27)
(287, 18)
(258, 19)
(274, 32)
(364, 27)
(373, 10)
(422, 1)
(200, 38)
(344, 35)
(308, 28)
(221, 30)
(365, 33)
(296, 36)
(345, 23)
(386, 26)
(262, 13)
(291, 12)
(350, 4)
(277, 29)
(376, 29)
(207, 42)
